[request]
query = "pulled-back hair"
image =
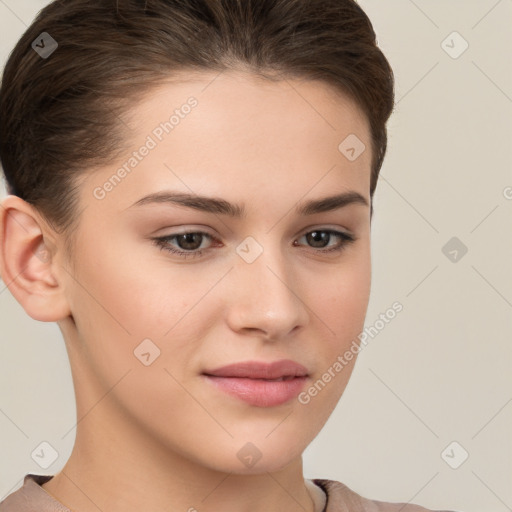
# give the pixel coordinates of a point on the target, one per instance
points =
(60, 115)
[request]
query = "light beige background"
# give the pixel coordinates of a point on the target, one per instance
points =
(441, 370)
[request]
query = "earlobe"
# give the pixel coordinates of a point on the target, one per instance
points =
(27, 265)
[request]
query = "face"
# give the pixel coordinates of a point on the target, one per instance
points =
(166, 292)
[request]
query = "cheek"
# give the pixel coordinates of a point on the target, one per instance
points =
(344, 298)
(341, 311)
(129, 308)
(137, 297)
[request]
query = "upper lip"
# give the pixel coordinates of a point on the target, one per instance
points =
(260, 370)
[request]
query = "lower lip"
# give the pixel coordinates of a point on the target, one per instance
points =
(259, 392)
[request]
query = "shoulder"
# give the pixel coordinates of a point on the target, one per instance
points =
(341, 498)
(31, 497)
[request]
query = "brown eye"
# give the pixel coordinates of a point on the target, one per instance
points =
(320, 238)
(187, 243)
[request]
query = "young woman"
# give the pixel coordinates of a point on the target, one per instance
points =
(190, 198)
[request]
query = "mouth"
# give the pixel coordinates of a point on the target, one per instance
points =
(260, 384)
(283, 369)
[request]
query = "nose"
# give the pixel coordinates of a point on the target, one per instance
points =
(266, 297)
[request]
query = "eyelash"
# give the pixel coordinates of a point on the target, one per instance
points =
(163, 242)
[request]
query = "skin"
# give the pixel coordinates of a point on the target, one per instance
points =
(159, 437)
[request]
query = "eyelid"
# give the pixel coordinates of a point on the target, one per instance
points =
(327, 227)
(345, 239)
(204, 230)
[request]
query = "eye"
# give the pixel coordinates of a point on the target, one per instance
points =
(321, 238)
(190, 242)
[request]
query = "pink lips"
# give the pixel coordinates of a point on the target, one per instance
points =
(260, 384)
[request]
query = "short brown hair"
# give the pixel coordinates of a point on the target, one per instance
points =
(61, 114)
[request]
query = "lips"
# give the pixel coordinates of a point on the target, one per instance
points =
(278, 370)
(260, 384)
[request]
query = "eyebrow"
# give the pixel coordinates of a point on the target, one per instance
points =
(221, 206)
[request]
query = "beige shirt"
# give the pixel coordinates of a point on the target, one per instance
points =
(337, 497)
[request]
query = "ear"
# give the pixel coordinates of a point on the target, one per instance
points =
(27, 261)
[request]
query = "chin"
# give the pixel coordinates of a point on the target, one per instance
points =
(259, 456)
(267, 464)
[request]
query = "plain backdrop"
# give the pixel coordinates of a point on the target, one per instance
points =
(434, 385)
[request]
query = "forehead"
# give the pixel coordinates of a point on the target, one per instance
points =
(214, 132)
(236, 92)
